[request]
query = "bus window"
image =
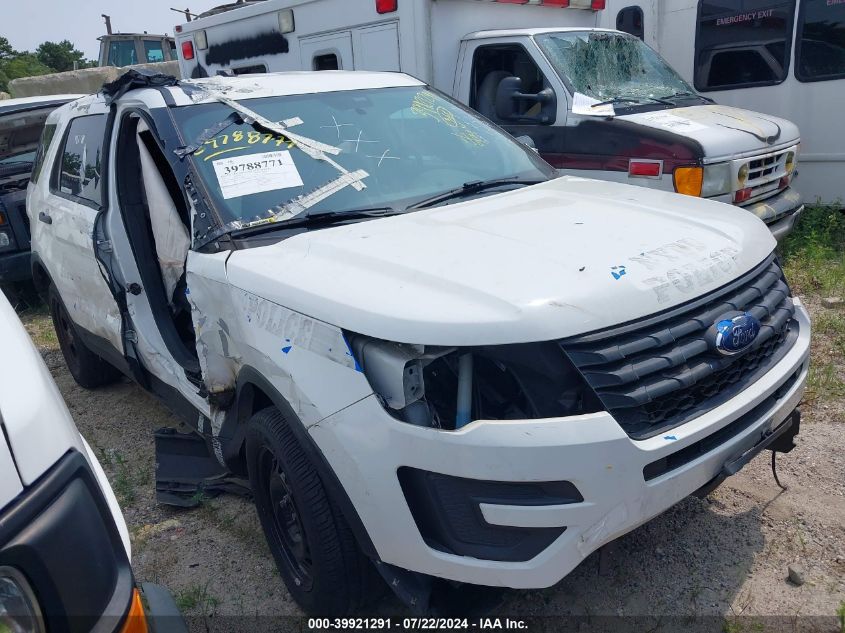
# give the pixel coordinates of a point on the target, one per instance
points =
(820, 43)
(743, 45)
(630, 20)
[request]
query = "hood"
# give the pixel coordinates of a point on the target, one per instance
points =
(558, 259)
(721, 131)
(35, 419)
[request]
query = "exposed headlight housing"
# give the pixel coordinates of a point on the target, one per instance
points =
(19, 610)
(447, 387)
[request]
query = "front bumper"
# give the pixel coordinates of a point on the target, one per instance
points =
(780, 212)
(620, 486)
(15, 267)
(60, 535)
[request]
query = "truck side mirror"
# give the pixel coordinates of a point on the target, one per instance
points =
(509, 93)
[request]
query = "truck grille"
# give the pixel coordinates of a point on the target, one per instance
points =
(764, 174)
(657, 374)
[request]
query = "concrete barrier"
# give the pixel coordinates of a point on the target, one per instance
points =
(85, 81)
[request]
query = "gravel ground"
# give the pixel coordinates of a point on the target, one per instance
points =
(726, 556)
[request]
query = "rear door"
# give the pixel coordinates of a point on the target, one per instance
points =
(63, 222)
(377, 47)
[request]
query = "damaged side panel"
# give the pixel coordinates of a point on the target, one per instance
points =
(297, 354)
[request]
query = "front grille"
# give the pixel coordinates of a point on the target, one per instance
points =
(764, 174)
(656, 375)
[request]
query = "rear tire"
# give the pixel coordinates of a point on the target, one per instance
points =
(314, 548)
(88, 369)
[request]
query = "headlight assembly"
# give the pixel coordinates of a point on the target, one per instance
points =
(446, 388)
(19, 612)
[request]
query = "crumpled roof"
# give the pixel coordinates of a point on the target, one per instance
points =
(133, 80)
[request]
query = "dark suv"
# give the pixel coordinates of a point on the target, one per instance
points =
(21, 126)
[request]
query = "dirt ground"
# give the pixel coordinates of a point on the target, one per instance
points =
(725, 557)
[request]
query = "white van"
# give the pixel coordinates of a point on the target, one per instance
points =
(594, 102)
(782, 57)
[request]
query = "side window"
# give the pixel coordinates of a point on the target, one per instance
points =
(122, 53)
(153, 51)
(326, 62)
(79, 162)
(820, 42)
(631, 20)
(743, 43)
(46, 138)
(498, 62)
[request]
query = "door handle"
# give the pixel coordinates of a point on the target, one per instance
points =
(45, 217)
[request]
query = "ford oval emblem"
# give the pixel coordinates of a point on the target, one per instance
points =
(736, 333)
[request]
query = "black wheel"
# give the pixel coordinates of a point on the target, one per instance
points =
(88, 369)
(312, 543)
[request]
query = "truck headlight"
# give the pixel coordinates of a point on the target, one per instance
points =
(447, 387)
(19, 612)
(5, 239)
(717, 180)
(706, 182)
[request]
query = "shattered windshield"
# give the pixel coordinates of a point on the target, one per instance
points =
(277, 158)
(607, 66)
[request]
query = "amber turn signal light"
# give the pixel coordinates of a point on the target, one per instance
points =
(688, 180)
(136, 619)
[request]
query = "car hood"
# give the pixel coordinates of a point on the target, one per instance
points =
(561, 258)
(722, 131)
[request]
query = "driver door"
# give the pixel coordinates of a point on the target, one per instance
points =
(512, 84)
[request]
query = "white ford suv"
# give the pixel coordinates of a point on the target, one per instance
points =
(420, 347)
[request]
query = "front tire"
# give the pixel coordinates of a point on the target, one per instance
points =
(314, 548)
(88, 369)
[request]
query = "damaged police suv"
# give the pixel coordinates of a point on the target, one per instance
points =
(421, 348)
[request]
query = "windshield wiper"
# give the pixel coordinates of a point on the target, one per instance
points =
(471, 188)
(318, 218)
(679, 95)
(632, 100)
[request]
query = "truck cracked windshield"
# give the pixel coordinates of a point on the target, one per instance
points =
(430, 361)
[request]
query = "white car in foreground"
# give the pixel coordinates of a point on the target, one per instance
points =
(420, 347)
(64, 546)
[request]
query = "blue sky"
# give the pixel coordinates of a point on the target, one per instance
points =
(27, 23)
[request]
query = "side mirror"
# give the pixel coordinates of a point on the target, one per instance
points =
(528, 142)
(509, 93)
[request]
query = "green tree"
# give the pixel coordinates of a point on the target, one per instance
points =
(61, 56)
(6, 50)
(23, 65)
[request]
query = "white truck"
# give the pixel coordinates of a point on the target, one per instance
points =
(64, 547)
(593, 101)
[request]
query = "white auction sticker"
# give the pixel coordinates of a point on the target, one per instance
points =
(256, 173)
